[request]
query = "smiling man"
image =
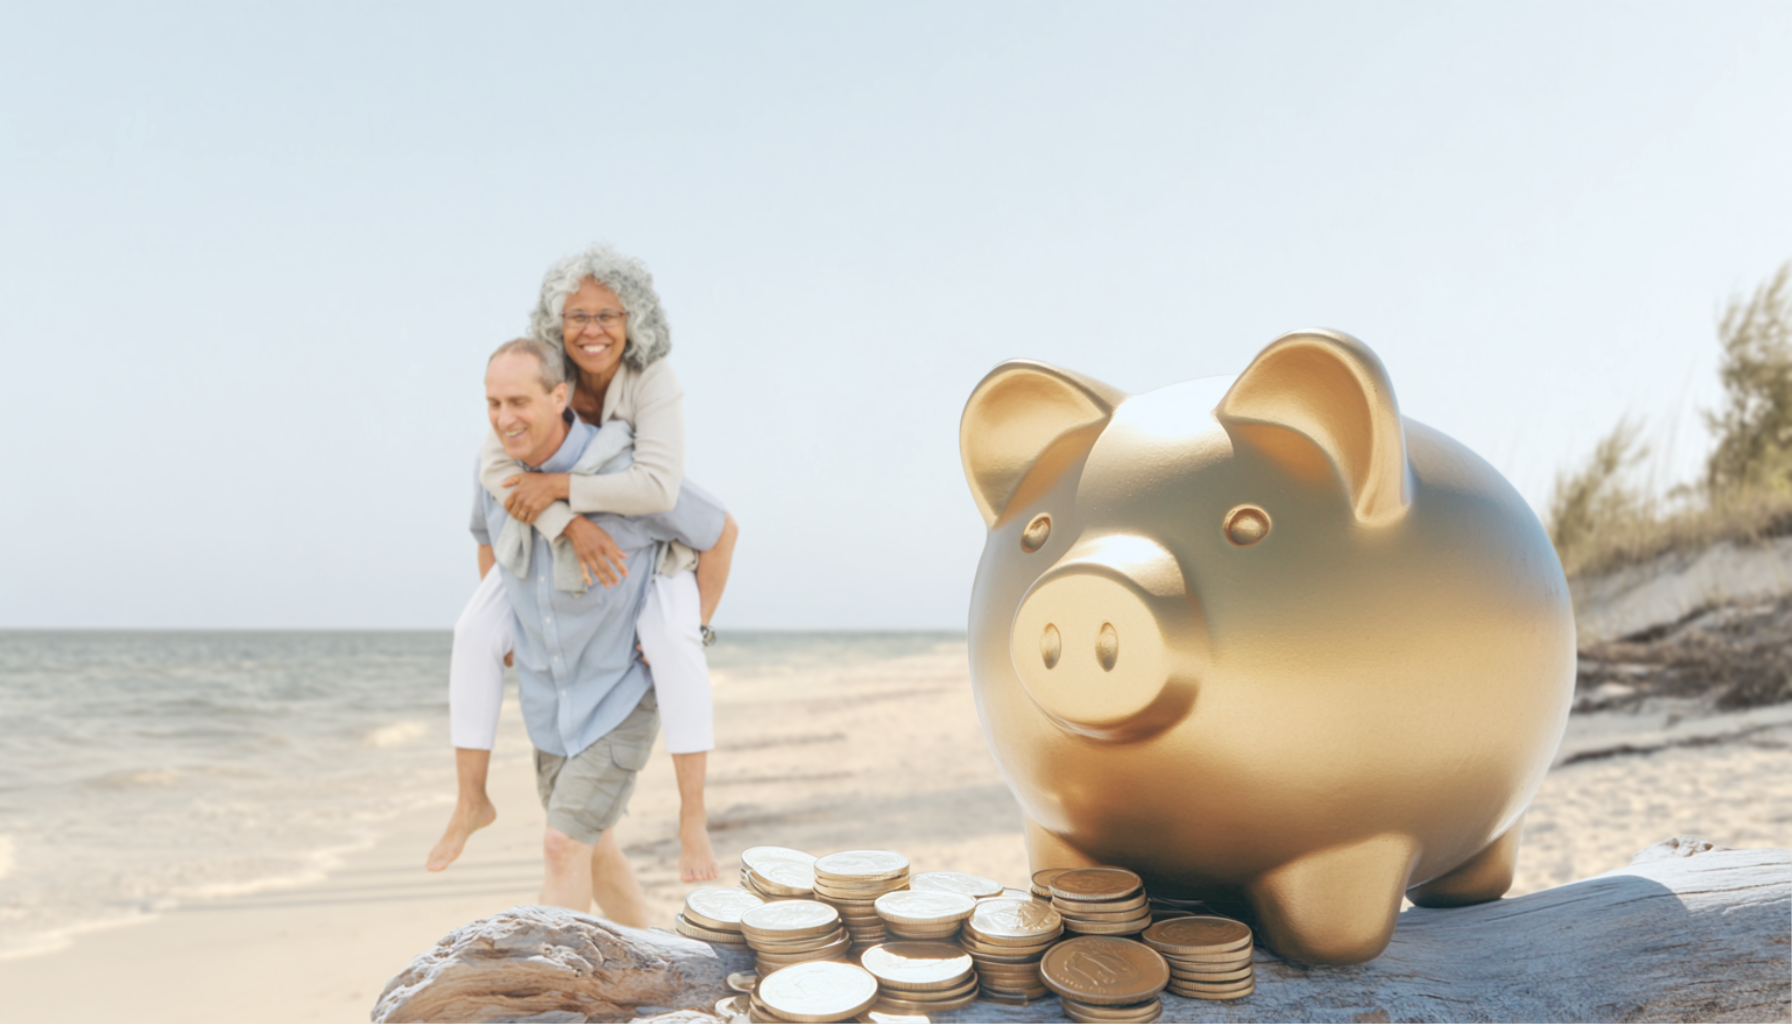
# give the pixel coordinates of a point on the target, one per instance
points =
(587, 698)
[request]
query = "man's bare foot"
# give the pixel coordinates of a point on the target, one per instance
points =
(466, 820)
(696, 861)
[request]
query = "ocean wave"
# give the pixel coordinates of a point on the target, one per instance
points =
(133, 777)
(395, 735)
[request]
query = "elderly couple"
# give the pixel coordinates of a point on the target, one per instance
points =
(580, 483)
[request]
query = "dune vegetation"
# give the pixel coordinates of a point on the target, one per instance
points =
(1601, 517)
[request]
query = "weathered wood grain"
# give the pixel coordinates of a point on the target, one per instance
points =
(1688, 931)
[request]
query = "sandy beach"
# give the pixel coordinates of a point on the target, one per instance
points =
(886, 754)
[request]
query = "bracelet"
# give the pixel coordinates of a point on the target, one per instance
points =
(709, 635)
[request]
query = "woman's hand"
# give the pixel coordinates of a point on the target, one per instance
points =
(531, 494)
(598, 554)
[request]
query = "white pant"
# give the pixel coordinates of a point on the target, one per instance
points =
(668, 631)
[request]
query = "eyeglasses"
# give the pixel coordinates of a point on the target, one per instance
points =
(577, 322)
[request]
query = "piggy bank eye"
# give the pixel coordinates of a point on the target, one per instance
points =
(1034, 536)
(1246, 525)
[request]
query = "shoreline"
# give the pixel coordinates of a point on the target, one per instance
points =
(888, 754)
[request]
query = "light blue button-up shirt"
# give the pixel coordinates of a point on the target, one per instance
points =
(575, 655)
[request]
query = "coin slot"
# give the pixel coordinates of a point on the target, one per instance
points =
(1034, 536)
(1246, 525)
(1051, 646)
(1107, 647)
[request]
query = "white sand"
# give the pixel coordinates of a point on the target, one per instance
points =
(889, 755)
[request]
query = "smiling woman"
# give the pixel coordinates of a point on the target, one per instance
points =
(598, 321)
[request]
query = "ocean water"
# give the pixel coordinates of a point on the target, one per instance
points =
(143, 770)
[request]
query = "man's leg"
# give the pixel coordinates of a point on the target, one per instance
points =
(567, 882)
(614, 884)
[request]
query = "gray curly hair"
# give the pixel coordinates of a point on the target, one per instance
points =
(649, 338)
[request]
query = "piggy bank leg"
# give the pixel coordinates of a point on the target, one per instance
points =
(1045, 850)
(1485, 876)
(1335, 906)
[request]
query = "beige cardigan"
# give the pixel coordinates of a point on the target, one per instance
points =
(653, 402)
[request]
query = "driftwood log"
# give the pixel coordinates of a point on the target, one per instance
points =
(1689, 931)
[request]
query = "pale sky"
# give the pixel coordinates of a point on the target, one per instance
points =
(252, 258)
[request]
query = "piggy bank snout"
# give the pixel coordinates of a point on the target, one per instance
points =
(1105, 641)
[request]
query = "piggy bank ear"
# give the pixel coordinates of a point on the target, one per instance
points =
(1331, 388)
(1013, 417)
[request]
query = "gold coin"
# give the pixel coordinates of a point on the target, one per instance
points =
(1200, 992)
(717, 908)
(1042, 879)
(1006, 960)
(1013, 998)
(1066, 905)
(900, 1005)
(974, 886)
(782, 920)
(817, 991)
(1134, 1011)
(1180, 936)
(804, 944)
(1096, 884)
(694, 931)
(743, 981)
(758, 857)
(877, 1016)
(996, 920)
(1211, 977)
(918, 931)
(1007, 947)
(1106, 928)
(1105, 971)
(769, 962)
(968, 987)
(1098, 913)
(861, 866)
(916, 906)
(785, 878)
(1236, 958)
(759, 1010)
(918, 965)
(731, 1006)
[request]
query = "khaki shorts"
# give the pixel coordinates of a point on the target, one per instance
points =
(585, 794)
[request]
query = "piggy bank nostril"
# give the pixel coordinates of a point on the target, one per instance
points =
(1107, 647)
(1051, 647)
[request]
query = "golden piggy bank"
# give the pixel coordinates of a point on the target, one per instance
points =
(1263, 640)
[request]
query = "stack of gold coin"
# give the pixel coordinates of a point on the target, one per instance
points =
(713, 915)
(921, 977)
(1006, 938)
(1101, 901)
(852, 881)
(778, 872)
(918, 914)
(1105, 979)
(785, 932)
(1042, 882)
(813, 993)
(975, 886)
(1209, 957)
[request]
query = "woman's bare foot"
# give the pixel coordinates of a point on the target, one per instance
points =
(696, 861)
(467, 819)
